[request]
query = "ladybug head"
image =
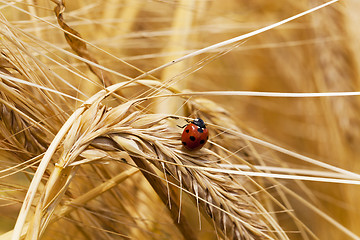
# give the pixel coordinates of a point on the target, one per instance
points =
(199, 122)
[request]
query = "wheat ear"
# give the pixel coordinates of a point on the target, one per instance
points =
(149, 137)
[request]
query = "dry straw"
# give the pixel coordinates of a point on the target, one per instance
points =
(84, 160)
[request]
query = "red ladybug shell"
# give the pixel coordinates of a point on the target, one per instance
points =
(194, 136)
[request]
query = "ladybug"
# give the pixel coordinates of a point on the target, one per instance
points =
(194, 135)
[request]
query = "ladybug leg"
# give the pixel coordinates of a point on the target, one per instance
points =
(185, 124)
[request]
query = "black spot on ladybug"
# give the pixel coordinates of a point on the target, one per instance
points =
(187, 130)
(192, 138)
(202, 141)
(184, 143)
(200, 130)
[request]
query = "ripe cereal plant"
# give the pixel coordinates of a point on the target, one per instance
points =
(92, 93)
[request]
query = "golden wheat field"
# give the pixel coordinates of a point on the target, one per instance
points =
(93, 95)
